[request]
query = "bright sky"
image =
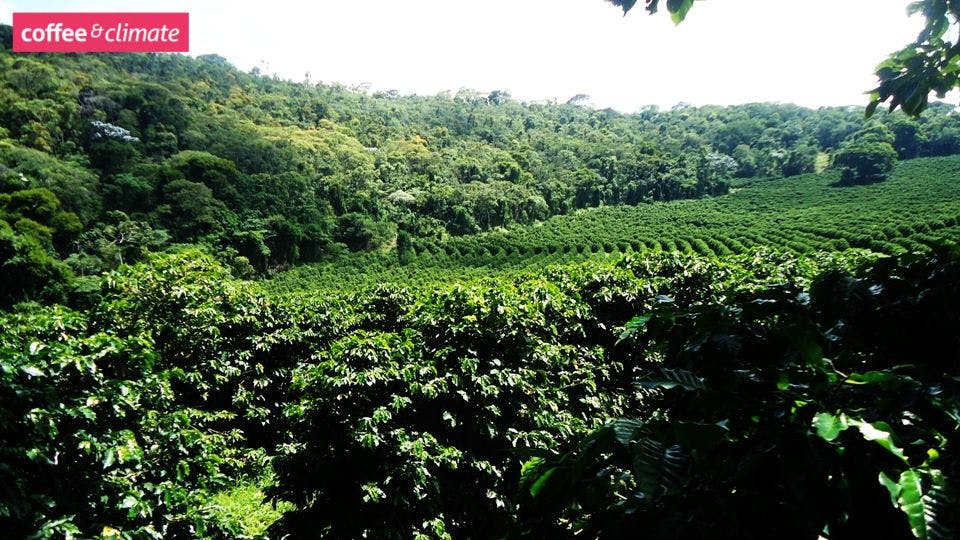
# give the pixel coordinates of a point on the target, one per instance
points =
(809, 52)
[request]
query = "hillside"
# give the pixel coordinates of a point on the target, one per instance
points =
(162, 150)
(917, 207)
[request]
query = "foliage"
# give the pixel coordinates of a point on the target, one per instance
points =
(678, 8)
(414, 423)
(74, 186)
(911, 211)
(393, 414)
(864, 162)
(778, 413)
(94, 440)
(113, 243)
(282, 173)
(243, 512)
(928, 65)
(551, 274)
(393, 423)
(32, 227)
(126, 420)
(31, 271)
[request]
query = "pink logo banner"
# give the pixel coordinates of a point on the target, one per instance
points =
(101, 32)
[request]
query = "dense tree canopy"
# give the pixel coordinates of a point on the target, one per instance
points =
(865, 161)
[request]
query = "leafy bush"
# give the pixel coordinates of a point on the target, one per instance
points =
(126, 420)
(412, 431)
(778, 414)
(94, 438)
(864, 162)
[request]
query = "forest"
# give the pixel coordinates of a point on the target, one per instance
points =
(116, 156)
(237, 306)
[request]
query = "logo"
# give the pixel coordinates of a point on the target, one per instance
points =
(101, 32)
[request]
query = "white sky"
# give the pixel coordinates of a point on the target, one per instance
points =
(809, 52)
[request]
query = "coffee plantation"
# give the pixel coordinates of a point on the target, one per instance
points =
(234, 306)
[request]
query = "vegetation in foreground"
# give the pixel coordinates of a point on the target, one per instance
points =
(773, 394)
(685, 395)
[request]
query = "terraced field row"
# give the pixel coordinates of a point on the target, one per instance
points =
(919, 204)
(917, 207)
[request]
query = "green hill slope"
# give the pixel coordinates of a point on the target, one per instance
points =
(918, 206)
(134, 153)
